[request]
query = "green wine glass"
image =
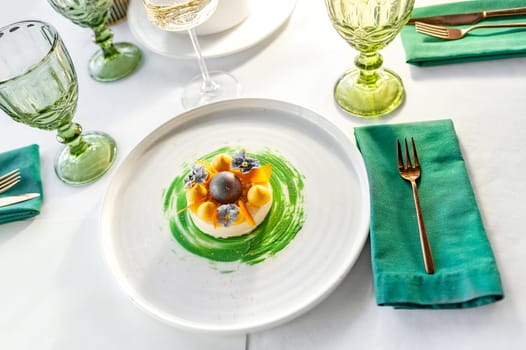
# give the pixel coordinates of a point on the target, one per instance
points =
(369, 91)
(113, 61)
(38, 87)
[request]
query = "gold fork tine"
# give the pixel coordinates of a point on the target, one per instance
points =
(431, 30)
(9, 184)
(9, 174)
(9, 180)
(400, 159)
(429, 27)
(415, 156)
(9, 177)
(407, 157)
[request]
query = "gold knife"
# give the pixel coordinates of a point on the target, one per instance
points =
(468, 18)
(4, 201)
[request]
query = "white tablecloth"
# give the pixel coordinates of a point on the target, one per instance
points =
(56, 291)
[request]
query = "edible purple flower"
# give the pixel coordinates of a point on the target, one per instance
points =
(197, 175)
(241, 162)
(227, 214)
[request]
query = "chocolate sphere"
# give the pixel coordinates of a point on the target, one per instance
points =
(225, 187)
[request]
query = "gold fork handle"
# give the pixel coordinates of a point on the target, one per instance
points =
(499, 25)
(424, 241)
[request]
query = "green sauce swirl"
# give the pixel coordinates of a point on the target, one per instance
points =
(285, 219)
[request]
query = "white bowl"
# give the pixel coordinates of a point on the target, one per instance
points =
(228, 14)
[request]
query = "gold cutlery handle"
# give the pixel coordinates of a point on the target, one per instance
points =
(424, 241)
(498, 25)
(505, 12)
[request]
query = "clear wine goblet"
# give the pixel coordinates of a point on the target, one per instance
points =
(113, 61)
(369, 91)
(38, 87)
(181, 15)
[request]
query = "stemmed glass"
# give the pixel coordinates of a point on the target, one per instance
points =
(113, 61)
(38, 87)
(368, 90)
(181, 15)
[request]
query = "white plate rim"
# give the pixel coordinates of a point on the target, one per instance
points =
(181, 119)
(284, 7)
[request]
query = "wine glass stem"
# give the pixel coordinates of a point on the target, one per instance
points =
(104, 38)
(208, 84)
(368, 63)
(71, 135)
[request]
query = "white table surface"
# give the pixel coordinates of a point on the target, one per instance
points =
(56, 291)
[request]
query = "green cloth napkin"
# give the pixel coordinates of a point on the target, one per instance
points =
(466, 274)
(26, 159)
(479, 45)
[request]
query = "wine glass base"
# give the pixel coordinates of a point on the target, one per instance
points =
(90, 164)
(226, 87)
(369, 101)
(117, 66)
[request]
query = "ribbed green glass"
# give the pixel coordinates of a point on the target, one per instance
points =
(369, 91)
(38, 87)
(113, 61)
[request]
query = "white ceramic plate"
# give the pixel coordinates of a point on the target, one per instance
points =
(266, 16)
(191, 292)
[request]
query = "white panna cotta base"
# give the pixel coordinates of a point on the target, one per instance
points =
(258, 214)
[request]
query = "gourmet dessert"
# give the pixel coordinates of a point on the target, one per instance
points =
(229, 196)
(229, 193)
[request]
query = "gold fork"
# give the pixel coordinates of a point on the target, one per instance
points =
(411, 173)
(455, 33)
(9, 180)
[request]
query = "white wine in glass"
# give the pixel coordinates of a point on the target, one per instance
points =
(181, 15)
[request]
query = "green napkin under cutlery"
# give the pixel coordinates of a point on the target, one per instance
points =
(466, 273)
(27, 159)
(483, 44)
